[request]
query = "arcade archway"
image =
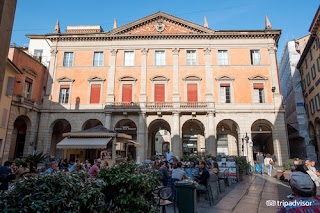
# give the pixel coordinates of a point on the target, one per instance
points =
(159, 137)
(227, 138)
(193, 141)
(58, 128)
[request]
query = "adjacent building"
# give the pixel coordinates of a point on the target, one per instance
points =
(309, 68)
(206, 91)
(291, 90)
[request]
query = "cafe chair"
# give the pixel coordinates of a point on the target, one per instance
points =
(207, 189)
(165, 194)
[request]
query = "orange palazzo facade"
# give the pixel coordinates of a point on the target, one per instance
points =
(167, 82)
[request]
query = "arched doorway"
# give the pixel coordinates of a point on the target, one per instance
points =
(19, 138)
(159, 137)
(128, 127)
(91, 123)
(227, 138)
(59, 127)
(193, 141)
(262, 138)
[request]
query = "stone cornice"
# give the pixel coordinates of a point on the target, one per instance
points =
(274, 34)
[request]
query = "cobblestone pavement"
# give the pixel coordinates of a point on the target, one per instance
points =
(249, 196)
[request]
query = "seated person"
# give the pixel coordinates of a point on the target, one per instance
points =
(215, 168)
(304, 190)
(312, 173)
(203, 175)
(178, 173)
(192, 172)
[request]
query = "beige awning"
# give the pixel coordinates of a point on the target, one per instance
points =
(83, 143)
(135, 143)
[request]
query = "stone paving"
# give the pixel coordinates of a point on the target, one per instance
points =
(249, 196)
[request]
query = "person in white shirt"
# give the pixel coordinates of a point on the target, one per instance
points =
(169, 155)
(268, 162)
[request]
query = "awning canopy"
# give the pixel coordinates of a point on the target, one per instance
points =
(83, 143)
(135, 143)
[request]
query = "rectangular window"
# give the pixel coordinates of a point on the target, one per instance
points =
(306, 62)
(191, 57)
(4, 118)
(37, 54)
(311, 106)
(225, 93)
(127, 93)
(192, 90)
(159, 93)
(95, 93)
(317, 101)
(308, 79)
(258, 93)
(255, 57)
(318, 64)
(223, 58)
(128, 58)
(307, 109)
(64, 94)
(160, 57)
(310, 52)
(303, 82)
(68, 59)
(27, 88)
(313, 71)
(98, 59)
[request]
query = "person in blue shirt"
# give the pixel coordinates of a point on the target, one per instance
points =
(192, 172)
(52, 169)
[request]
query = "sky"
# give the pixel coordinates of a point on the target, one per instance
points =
(293, 17)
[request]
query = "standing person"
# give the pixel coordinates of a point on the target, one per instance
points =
(169, 155)
(95, 168)
(260, 161)
(268, 163)
(87, 165)
(304, 191)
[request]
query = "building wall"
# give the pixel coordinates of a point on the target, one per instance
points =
(240, 117)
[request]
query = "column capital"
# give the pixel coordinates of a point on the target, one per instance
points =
(53, 51)
(207, 51)
(144, 51)
(175, 51)
(272, 49)
(113, 52)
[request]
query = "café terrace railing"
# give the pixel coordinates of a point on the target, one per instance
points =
(158, 105)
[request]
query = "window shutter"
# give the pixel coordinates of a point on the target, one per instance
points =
(64, 86)
(159, 93)
(256, 96)
(225, 85)
(258, 86)
(192, 92)
(95, 94)
(10, 86)
(127, 93)
(4, 118)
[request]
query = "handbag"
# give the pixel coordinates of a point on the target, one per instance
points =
(270, 162)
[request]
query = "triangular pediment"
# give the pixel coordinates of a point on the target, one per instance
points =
(161, 23)
(225, 78)
(258, 77)
(65, 79)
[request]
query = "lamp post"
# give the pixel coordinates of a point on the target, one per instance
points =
(245, 138)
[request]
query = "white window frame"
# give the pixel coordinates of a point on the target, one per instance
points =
(163, 81)
(99, 62)
(95, 80)
(68, 61)
(191, 57)
(255, 56)
(311, 103)
(68, 82)
(195, 80)
(128, 57)
(161, 61)
(27, 89)
(64, 95)
(127, 80)
(313, 71)
(223, 57)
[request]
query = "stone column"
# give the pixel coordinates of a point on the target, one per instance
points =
(141, 138)
(107, 123)
(143, 85)
(175, 80)
(176, 145)
(7, 144)
(51, 77)
(211, 143)
(111, 74)
(209, 75)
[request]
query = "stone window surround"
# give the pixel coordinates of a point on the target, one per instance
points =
(95, 80)
(127, 80)
(164, 80)
(188, 80)
(224, 80)
(262, 80)
(62, 82)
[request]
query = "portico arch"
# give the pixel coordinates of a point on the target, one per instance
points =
(159, 137)
(227, 138)
(193, 140)
(59, 127)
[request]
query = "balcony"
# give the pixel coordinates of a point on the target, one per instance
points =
(25, 102)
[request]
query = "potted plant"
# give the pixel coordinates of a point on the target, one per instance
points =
(241, 163)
